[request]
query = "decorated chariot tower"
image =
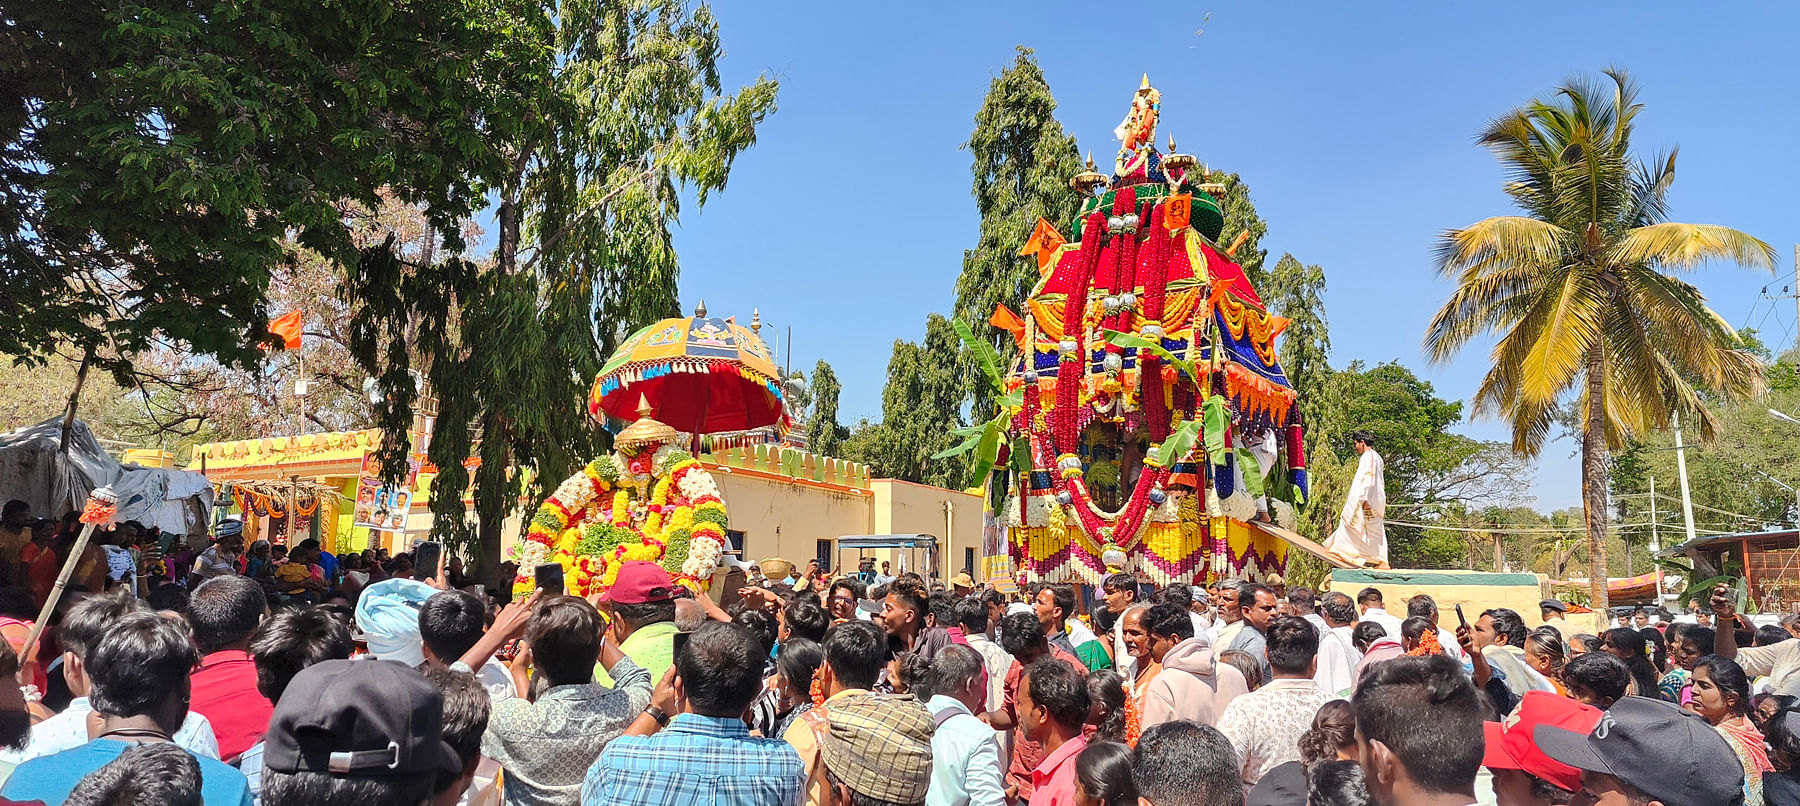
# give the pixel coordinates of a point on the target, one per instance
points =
(1148, 425)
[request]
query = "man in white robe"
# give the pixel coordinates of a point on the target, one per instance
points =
(1361, 536)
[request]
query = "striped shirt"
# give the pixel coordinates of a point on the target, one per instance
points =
(696, 759)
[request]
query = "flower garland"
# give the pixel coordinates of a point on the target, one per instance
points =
(658, 507)
(1065, 420)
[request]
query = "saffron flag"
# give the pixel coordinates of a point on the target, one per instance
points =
(287, 326)
(1043, 243)
(1006, 320)
(1179, 212)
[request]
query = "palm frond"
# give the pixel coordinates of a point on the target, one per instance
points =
(1512, 240)
(1491, 304)
(1650, 190)
(1684, 247)
(1576, 317)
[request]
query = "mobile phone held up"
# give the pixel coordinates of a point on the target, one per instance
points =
(550, 579)
(426, 558)
(1459, 617)
(681, 639)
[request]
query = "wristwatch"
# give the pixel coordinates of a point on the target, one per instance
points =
(662, 719)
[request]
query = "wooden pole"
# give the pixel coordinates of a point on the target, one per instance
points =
(56, 592)
(68, 423)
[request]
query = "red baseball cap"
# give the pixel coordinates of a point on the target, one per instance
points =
(1510, 746)
(640, 581)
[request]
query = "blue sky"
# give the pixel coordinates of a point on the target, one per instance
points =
(1352, 123)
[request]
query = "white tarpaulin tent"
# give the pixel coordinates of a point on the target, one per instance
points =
(53, 482)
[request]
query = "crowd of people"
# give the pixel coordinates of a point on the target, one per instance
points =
(247, 684)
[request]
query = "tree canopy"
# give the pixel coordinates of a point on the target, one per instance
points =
(920, 408)
(824, 436)
(1022, 164)
(614, 110)
(156, 157)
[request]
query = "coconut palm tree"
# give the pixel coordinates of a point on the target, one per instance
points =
(1583, 293)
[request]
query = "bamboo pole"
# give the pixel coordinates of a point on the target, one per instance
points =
(99, 509)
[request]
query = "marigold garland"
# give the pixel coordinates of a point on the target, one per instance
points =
(1428, 645)
(592, 534)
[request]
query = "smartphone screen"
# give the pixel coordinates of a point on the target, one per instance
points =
(550, 579)
(425, 559)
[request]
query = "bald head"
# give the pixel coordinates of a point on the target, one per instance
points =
(689, 615)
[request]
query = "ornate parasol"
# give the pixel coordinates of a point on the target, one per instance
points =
(699, 375)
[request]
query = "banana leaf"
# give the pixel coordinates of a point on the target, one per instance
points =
(986, 453)
(1253, 477)
(970, 442)
(1703, 588)
(984, 356)
(1021, 455)
(1180, 441)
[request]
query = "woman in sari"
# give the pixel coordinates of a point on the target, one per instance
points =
(1722, 696)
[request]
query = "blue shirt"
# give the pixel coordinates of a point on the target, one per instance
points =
(696, 759)
(51, 778)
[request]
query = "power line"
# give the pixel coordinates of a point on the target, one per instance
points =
(1727, 513)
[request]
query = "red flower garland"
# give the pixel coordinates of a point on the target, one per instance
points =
(1071, 367)
(1156, 410)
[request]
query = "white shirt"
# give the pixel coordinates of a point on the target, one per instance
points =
(1336, 674)
(1264, 726)
(997, 663)
(965, 758)
(69, 730)
(1122, 659)
(1451, 647)
(493, 677)
(1386, 620)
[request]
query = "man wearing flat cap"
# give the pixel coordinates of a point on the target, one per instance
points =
(879, 747)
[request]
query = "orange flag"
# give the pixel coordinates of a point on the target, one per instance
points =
(1006, 320)
(1043, 243)
(1179, 212)
(287, 326)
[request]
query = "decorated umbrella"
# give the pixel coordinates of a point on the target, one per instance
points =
(700, 375)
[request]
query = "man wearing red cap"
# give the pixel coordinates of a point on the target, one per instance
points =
(1523, 775)
(641, 604)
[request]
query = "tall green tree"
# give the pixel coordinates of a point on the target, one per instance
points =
(1022, 164)
(1735, 480)
(1297, 292)
(157, 157)
(824, 436)
(613, 109)
(1241, 217)
(1583, 294)
(921, 407)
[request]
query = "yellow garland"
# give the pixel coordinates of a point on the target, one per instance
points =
(661, 520)
(1240, 318)
(621, 509)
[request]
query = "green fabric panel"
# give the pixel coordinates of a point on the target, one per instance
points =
(1372, 577)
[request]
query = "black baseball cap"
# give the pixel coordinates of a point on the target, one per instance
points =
(1667, 753)
(1553, 604)
(359, 719)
